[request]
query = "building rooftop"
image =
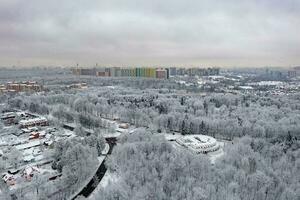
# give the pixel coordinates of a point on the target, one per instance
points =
(34, 120)
(198, 143)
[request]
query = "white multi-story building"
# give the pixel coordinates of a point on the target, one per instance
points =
(198, 143)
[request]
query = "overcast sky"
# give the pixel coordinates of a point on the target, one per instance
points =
(150, 32)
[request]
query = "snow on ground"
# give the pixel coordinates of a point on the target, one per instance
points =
(32, 143)
(176, 145)
(121, 130)
(88, 179)
(108, 135)
(100, 159)
(68, 133)
(171, 137)
(107, 179)
(21, 182)
(213, 156)
(2, 143)
(105, 150)
(11, 140)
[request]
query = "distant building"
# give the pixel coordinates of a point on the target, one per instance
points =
(214, 71)
(103, 72)
(292, 73)
(297, 69)
(25, 86)
(77, 86)
(275, 74)
(147, 72)
(197, 71)
(173, 71)
(180, 71)
(89, 72)
(161, 73)
(84, 71)
(76, 71)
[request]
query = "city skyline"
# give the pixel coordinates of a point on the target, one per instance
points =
(141, 33)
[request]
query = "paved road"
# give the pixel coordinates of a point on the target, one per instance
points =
(91, 186)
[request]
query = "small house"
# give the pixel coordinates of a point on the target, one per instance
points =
(34, 135)
(124, 126)
(29, 172)
(9, 179)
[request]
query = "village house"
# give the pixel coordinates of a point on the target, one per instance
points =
(29, 172)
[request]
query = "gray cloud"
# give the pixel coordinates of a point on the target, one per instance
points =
(136, 32)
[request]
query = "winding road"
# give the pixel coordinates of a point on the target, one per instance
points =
(91, 186)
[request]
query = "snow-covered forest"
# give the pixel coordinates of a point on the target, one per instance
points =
(262, 152)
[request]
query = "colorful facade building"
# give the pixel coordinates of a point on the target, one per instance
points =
(147, 72)
(161, 73)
